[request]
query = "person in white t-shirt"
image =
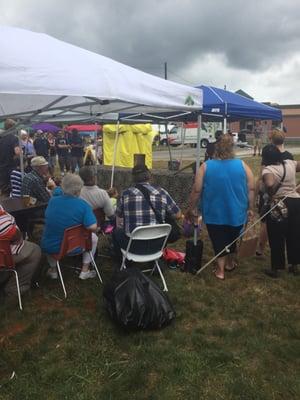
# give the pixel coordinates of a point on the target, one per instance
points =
(279, 179)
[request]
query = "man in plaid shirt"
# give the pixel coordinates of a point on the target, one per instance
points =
(133, 210)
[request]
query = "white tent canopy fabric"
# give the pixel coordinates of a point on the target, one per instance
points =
(37, 70)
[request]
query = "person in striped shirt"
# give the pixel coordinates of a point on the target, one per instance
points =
(16, 180)
(26, 255)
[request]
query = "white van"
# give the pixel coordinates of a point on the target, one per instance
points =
(187, 133)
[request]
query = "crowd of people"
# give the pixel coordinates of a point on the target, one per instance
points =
(224, 193)
(64, 148)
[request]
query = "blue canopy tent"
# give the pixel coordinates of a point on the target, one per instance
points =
(219, 103)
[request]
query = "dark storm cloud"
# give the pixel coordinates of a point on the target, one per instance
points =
(249, 35)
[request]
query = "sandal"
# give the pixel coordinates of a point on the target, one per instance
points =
(217, 276)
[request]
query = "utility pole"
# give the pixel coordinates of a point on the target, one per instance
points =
(166, 125)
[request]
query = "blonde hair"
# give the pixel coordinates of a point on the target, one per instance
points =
(277, 137)
(224, 147)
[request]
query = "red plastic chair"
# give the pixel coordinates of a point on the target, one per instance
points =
(75, 237)
(7, 264)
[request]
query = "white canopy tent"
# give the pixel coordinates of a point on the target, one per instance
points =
(39, 73)
(43, 78)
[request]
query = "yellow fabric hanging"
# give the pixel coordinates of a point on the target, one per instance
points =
(133, 139)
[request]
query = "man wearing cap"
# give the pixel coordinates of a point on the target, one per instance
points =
(37, 183)
(134, 210)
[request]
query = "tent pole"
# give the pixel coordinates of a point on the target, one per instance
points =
(96, 155)
(198, 141)
(225, 120)
(115, 154)
(21, 155)
(183, 131)
(225, 125)
(168, 144)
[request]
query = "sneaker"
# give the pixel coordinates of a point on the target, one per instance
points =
(52, 273)
(293, 269)
(272, 273)
(87, 274)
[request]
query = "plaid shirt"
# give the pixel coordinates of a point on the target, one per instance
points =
(34, 186)
(135, 210)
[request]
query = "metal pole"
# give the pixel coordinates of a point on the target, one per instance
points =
(183, 132)
(21, 155)
(198, 141)
(225, 120)
(115, 154)
(96, 155)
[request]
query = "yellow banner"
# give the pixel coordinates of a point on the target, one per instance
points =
(133, 139)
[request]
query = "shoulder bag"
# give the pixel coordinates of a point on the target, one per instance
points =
(279, 210)
(175, 233)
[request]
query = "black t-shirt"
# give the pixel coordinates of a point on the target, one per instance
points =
(61, 141)
(210, 150)
(7, 150)
(41, 147)
(76, 151)
(286, 155)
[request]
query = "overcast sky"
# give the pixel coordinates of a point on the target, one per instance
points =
(253, 45)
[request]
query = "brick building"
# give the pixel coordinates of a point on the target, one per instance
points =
(290, 114)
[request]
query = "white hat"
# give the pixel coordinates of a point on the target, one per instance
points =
(38, 161)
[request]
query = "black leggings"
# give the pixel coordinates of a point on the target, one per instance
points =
(221, 236)
(285, 236)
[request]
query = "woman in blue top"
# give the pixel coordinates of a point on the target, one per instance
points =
(64, 211)
(226, 188)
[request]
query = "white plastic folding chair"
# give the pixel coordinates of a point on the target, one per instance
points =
(146, 233)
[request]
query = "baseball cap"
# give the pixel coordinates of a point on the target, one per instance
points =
(38, 161)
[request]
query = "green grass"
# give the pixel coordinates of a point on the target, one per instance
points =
(237, 339)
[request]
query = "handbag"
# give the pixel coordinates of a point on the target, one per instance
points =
(280, 211)
(175, 233)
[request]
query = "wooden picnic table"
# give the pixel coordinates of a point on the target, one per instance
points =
(25, 216)
(16, 206)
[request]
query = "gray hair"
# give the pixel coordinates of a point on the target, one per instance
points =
(72, 185)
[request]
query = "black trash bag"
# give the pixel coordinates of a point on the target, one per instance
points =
(135, 302)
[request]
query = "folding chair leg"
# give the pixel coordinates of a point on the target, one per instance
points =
(123, 266)
(95, 266)
(161, 276)
(18, 289)
(61, 278)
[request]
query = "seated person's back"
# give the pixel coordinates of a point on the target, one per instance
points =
(92, 194)
(134, 209)
(63, 212)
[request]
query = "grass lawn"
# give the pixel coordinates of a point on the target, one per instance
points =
(237, 339)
